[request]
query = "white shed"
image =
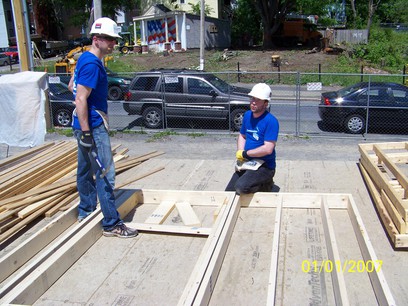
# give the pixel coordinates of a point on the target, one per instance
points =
(163, 29)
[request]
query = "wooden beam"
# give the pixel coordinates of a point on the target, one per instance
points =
(40, 196)
(26, 250)
(399, 175)
(400, 241)
(273, 273)
(30, 283)
(5, 226)
(381, 181)
(11, 231)
(161, 213)
(339, 284)
(378, 281)
(68, 182)
(200, 285)
(35, 206)
(68, 199)
(23, 155)
(209, 280)
(397, 220)
(194, 282)
(33, 279)
(187, 214)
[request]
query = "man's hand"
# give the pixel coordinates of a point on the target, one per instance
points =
(85, 140)
(242, 155)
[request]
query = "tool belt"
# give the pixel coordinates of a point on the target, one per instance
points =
(104, 118)
(103, 115)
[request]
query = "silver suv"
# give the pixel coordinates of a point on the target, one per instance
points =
(184, 94)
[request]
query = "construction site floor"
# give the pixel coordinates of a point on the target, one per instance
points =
(105, 274)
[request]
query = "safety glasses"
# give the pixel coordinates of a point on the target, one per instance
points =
(107, 38)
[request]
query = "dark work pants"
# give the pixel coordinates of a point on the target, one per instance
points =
(250, 181)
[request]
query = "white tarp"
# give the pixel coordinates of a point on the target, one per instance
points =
(22, 100)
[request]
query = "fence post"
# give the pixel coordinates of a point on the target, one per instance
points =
(238, 74)
(320, 71)
(362, 72)
(404, 72)
(297, 132)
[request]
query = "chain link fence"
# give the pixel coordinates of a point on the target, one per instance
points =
(321, 104)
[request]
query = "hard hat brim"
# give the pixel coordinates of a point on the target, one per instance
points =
(104, 34)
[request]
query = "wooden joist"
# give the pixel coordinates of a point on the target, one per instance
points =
(44, 179)
(381, 167)
(206, 283)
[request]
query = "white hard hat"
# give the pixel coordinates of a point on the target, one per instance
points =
(105, 26)
(261, 91)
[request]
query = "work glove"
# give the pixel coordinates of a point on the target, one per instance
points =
(85, 140)
(242, 155)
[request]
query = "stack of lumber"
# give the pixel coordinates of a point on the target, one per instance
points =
(41, 181)
(384, 167)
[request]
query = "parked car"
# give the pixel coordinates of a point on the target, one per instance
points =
(117, 84)
(382, 105)
(4, 59)
(61, 101)
(184, 94)
(13, 53)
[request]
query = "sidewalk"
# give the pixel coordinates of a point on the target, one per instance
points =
(288, 92)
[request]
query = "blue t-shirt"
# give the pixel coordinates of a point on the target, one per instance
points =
(258, 130)
(90, 72)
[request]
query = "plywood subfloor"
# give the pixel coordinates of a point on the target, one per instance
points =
(291, 176)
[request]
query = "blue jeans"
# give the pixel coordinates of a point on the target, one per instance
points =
(250, 181)
(90, 189)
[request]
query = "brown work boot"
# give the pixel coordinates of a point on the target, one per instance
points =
(121, 231)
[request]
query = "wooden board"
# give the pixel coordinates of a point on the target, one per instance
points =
(381, 165)
(260, 249)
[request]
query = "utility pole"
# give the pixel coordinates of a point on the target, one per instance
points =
(23, 39)
(97, 4)
(202, 30)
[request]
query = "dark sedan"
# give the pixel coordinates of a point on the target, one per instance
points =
(378, 104)
(62, 102)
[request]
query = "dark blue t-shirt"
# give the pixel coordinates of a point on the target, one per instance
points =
(90, 72)
(258, 130)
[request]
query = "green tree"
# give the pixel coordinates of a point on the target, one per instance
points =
(246, 24)
(196, 9)
(393, 11)
(49, 13)
(372, 7)
(272, 14)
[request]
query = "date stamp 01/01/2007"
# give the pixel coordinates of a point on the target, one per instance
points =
(347, 266)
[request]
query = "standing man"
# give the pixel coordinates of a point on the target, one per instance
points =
(90, 87)
(256, 155)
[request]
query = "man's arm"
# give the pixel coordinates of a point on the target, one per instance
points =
(71, 84)
(81, 102)
(266, 149)
(241, 142)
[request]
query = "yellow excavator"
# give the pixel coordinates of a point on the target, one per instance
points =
(68, 62)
